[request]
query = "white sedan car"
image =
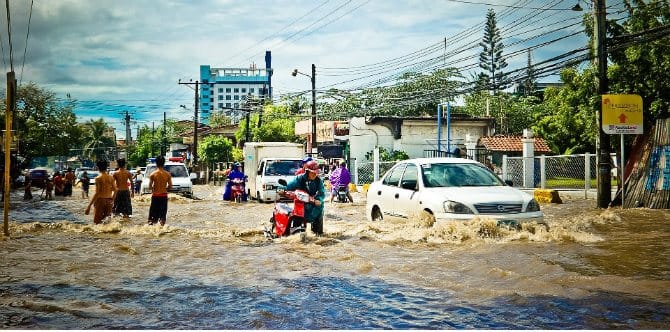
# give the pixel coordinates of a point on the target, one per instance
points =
(448, 189)
(181, 180)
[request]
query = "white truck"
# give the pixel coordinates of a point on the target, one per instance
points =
(267, 162)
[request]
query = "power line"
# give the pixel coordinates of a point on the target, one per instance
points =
(9, 34)
(25, 50)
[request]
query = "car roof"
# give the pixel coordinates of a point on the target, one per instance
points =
(168, 163)
(441, 160)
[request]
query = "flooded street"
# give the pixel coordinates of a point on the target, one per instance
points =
(211, 267)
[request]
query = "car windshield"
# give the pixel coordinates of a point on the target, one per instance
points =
(282, 167)
(458, 175)
(177, 171)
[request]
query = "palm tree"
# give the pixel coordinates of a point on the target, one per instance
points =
(97, 142)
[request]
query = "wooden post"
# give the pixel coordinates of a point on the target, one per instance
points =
(9, 111)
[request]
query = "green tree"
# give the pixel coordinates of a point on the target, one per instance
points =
(640, 56)
(98, 143)
(567, 120)
(44, 125)
(491, 60)
(388, 155)
(218, 119)
(415, 94)
(150, 141)
(278, 125)
(215, 148)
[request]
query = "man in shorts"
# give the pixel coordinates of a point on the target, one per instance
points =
(122, 202)
(103, 199)
(160, 182)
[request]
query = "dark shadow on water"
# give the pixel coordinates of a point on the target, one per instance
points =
(309, 303)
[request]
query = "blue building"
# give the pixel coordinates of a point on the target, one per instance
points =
(227, 89)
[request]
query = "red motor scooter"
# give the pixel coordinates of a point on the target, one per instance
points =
(287, 220)
(237, 190)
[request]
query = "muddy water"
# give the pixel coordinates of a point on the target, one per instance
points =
(211, 267)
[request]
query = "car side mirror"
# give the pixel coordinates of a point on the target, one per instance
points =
(193, 176)
(282, 182)
(411, 185)
(509, 183)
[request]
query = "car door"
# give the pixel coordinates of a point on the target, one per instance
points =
(407, 195)
(388, 192)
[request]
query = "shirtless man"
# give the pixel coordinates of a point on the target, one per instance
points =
(122, 202)
(160, 182)
(103, 199)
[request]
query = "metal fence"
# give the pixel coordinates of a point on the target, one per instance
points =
(578, 171)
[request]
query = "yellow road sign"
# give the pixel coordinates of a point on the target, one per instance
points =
(622, 114)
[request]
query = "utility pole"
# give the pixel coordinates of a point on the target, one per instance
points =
(313, 77)
(9, 112)
(153, 137)
(127, 122)
(194, 153)
(163, 145)
(603, 147)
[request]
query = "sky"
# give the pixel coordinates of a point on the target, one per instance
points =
(117, 56)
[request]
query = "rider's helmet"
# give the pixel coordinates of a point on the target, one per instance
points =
(306, 160)
(238, 165)
(312, 166)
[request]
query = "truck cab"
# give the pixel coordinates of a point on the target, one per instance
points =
(269, 171)
(267, 162)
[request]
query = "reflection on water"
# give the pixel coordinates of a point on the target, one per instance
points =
(311, 303)
(211, 267)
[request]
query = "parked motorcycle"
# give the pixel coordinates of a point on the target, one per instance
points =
(288, 220)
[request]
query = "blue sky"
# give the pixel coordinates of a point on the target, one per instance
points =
(114, 56)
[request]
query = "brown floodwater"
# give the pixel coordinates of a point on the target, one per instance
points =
(211, 267)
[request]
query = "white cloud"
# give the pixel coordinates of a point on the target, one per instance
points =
(135, 50)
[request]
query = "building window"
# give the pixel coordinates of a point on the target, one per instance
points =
(220, 90)
(236, 90)
(251, 90)
(244, 90)
(227, 105)
(227, 90)
(237, 105)
(220, 105)
(237, 97)
(244, 97)
(228, 97)
(220, 97)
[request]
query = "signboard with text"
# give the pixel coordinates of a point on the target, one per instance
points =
(622, 114)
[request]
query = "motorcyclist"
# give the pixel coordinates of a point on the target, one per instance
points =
(340, 177)
(236, 173)
(310, 182)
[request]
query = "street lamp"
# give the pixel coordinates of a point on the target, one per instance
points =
(313, 79)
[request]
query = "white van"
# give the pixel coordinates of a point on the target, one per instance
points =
(181, 180)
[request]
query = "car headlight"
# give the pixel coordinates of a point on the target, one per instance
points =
(456, 207)
(533, 206)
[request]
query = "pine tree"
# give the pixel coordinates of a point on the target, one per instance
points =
(529, 83)
(491, 59)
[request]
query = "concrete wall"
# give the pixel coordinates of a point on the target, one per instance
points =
(417, 135)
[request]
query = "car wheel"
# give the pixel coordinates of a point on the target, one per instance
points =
(427, 218)
(376, 214)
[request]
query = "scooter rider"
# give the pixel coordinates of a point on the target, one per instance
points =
(340, 177)
(236, 173)
(313, 185)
